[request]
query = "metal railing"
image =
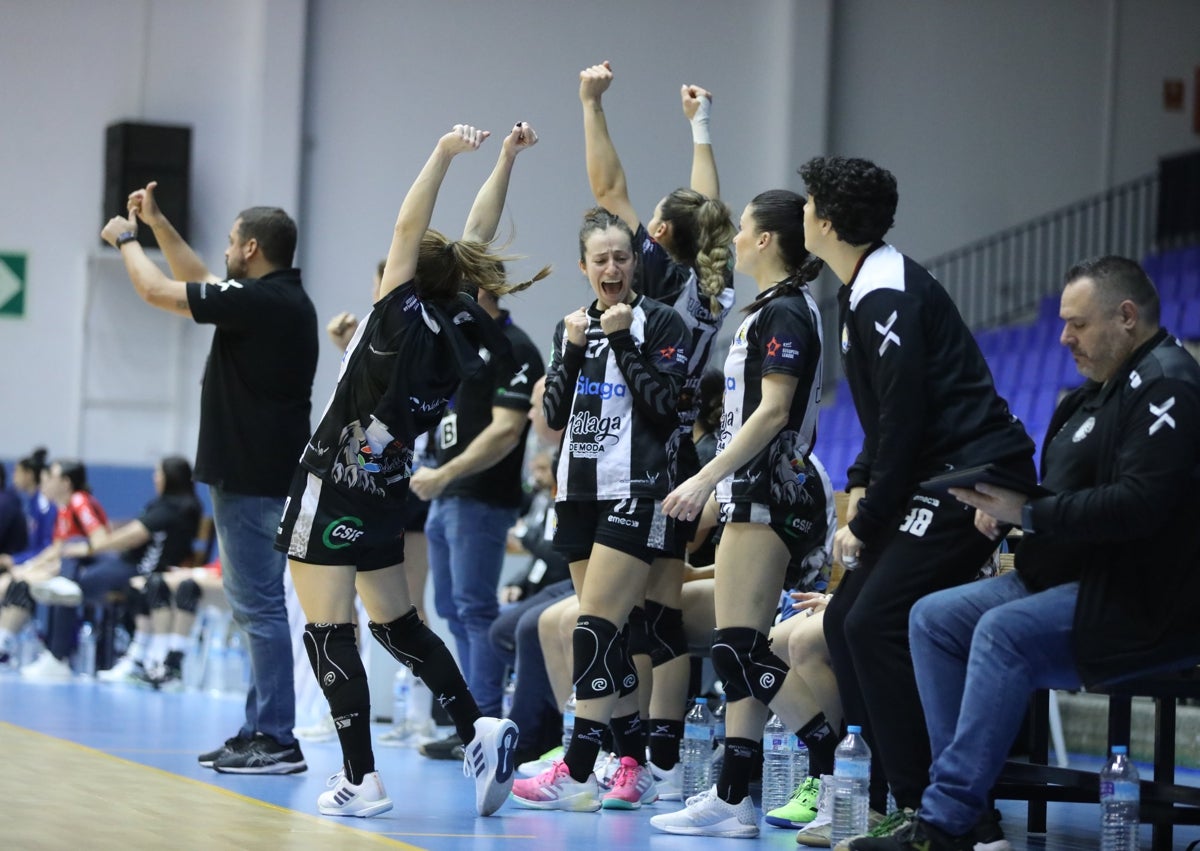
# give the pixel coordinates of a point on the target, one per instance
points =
(1002, 278)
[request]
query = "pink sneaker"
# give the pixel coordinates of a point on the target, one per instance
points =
(555, 789)
(632, 786)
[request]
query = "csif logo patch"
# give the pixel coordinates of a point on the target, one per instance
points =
(342, 532)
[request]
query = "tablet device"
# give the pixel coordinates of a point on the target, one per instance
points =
(968, 477)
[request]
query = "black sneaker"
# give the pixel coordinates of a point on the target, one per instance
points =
(988, 834)
(231, 745)
(917, 835)
(262, 755)
(449, 748)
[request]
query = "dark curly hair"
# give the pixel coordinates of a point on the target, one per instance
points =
(858, 197)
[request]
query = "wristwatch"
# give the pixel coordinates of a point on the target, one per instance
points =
(127, 236)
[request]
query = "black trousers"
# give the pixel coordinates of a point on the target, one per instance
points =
(934, 545)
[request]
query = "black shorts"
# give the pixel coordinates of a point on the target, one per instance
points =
(634, 526)
(680, 537)
(327, 524)
(415, 512)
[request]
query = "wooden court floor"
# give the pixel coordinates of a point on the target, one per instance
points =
(97, 766)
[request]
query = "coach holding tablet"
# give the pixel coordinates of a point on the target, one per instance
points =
(1121, 456)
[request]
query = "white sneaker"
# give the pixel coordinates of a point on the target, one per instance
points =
(670, 782)
(345, 799)
(818, 833)
(708, 815)
(322, 731)
(57, 591)
(123, 671)
(489, 759)
(543, 763)
(606, 767)
(47, 669)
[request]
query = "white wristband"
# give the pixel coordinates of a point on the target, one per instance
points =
(699, 121)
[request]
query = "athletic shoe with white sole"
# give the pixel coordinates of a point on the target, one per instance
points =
(47, 669)
(346, 799)
(800, 809)
(57, 591)
(536, 766)
(632, 786)
(555, 789)
(669, 780)
(708, 815)
(489, 759)
(262, 755)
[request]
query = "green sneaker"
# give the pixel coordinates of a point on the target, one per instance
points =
(801, 809)
(535, 767)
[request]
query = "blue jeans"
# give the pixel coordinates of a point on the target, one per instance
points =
(980, 650)
(466, 540)
(515, 638)
(252, 573)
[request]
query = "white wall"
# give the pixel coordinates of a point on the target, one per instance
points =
(989, 113)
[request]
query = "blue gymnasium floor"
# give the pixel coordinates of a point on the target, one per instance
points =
(133, 736)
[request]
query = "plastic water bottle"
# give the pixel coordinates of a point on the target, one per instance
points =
(851, 779)
(778, 781)
(1120, 796)
(420, 712)
(799, 761)
(696, 756)
(718, 716)
(510, 692)
(568, 721)
(401, 693)
(85, 651)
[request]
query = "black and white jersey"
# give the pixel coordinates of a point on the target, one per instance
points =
(401, 367)
(678, 287)
(616, 400)
(783, 336)
(923, 392)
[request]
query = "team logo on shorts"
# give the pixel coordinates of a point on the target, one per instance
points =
(342, 532)
(599, 684)
(767, 680)
(629, 682)
(328, 679)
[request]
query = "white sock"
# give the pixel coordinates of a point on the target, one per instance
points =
(175, 641)
(157, 651)
(137, 647)
(7, 640)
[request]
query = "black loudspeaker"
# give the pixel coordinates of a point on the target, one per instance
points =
(134, 155)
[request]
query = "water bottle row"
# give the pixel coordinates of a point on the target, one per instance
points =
(412, 706)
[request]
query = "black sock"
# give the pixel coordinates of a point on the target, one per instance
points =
(741, 755)
(584, 748)
(333, 655)
(629, 737)
(665, 736)
(821, 742)
(174, 661)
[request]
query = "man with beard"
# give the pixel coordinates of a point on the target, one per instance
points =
(254, 422)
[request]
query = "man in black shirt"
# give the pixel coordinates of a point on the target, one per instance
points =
(254, 422)
(927, 404)
(1121, 458)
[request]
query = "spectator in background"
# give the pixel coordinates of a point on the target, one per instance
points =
(40, 510)
(14, 530)
(80, 516)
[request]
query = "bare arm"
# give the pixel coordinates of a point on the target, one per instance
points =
(417, 209)
(697, 103)
(605, 173)
(155, 288)
(488, 448)
(484, 217)
(184, 262)
(132, 534)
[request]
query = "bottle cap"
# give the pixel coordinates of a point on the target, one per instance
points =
(702, 700)
(1119, 749)
(854, 728)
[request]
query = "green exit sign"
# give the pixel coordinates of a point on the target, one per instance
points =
(12, 284)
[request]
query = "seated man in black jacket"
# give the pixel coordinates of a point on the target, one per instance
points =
(1120, 458)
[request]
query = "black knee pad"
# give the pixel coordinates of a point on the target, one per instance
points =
(743, 659)
(664, 627)
(333, 654)
(17, 594)
(411, 642)
(600, 663)
(187, 596)
(639, 637)
(628, 677)
(158, 593)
